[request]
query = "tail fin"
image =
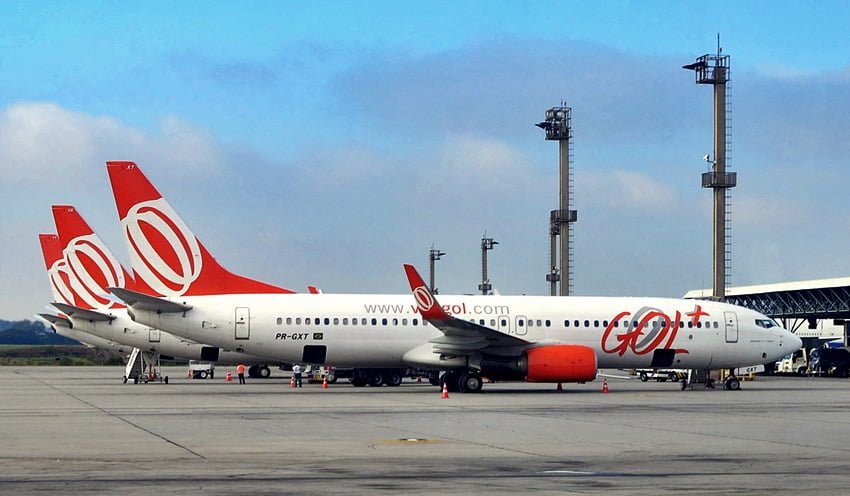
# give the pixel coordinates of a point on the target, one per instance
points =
(57, 269)
(167, 258)
(93, 268)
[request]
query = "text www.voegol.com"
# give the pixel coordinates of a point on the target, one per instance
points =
(456, 309)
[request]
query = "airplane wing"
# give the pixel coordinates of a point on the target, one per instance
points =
(82, 313)
(142, 301)
(459, 336)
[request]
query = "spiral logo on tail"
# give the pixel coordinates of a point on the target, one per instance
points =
(164, 252)
(60, 277)
(424, 300)
(92, 269)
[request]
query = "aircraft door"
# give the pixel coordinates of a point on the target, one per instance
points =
(153, 335)
(521, 323)
(242, 323)
(731, 327)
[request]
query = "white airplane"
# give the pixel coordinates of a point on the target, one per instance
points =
(57, 272)
(183, 289)
(88, 268)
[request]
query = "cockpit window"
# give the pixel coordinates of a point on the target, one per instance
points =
(766, 323)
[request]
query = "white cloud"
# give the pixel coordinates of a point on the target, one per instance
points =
(630, 189)
(40, 139)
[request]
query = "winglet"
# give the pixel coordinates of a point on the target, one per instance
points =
(313, 290)
(428, 306)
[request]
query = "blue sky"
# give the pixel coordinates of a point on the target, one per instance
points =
(329, 143)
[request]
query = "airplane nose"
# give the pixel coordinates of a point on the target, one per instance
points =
(796, 343)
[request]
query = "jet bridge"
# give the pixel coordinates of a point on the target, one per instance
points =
(793, 303)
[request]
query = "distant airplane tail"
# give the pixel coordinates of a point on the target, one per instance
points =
(57, 269)
(167, 258)
(92, 266)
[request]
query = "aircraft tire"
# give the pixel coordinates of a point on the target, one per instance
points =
(375, 378)
(643, 377)
(733, 384)
(252, 372)
(470, 382)
(393, 379)
(264, 372)
(202, 374)
(452, 381)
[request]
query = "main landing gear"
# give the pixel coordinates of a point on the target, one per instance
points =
(463, 381)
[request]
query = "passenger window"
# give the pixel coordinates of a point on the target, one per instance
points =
(587, 323)
(566, 323)
(616, 323)
(530, 323)
(481, 322)
(384, 321)
(327, 321)
(345, 321)
(279, 321)
(416, 322)
(715, 325)
(307, 321)
(504, 323)
(336, 320)
(690, 325)
(298, 321)
(595, 323)
(548, 323)
(395, 322)
(364, 321)
(575, 322)
(374, 322)
(492, 322)
(520, 323)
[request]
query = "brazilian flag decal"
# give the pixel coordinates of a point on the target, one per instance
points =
(318, 336)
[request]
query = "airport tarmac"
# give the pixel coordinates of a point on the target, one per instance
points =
(80, 430)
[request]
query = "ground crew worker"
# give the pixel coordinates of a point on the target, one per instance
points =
(296, 372)
(240, 371)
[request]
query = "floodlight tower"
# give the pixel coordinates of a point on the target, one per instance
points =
(433, 256)
(487, 244)
(558, 127)
(714, 70)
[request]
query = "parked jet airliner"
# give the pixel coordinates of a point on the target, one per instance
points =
(80, 276)
(181, 288)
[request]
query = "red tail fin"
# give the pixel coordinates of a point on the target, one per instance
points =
(93, 268)
(167, 258)
(428, 306)
(57, 270)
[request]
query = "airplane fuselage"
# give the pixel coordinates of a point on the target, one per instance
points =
(387, 330)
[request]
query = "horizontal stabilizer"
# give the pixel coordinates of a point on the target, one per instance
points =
(82, 313)
(56, 320)
(143, 301)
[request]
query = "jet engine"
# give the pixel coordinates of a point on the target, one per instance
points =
(559, 363)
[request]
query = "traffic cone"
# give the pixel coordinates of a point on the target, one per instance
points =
(189, 374)
(604, 385)
(560, 388)
(325, 382)
(292, 381)
(445, 394)
(418, 380)
(228, 377)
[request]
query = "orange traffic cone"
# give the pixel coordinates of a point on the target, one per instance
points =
(228, 377)
(560, 388)
(418, 380)
(325, 382)
(445, 394)
(604, 385)
(189, 374)
(292, 382)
